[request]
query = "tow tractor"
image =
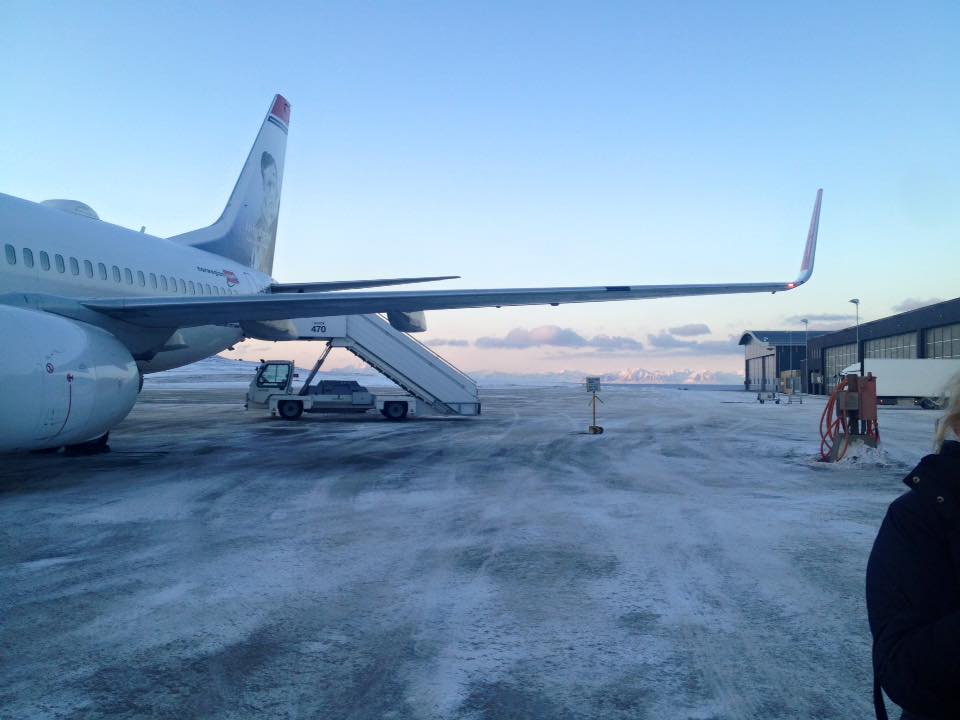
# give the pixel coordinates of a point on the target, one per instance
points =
(272, 389)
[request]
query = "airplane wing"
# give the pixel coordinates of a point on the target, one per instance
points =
(312, 287)
(170, 312)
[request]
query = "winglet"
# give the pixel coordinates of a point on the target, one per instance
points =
(810, 251)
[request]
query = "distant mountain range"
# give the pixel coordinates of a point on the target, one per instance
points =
(676, 377)
(628, 376)
(217, 365)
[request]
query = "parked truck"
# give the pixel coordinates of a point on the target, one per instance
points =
(272, 389)
(920, 382)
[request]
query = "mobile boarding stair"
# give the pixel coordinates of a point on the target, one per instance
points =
(406, 361)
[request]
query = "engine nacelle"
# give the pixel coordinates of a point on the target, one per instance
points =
(275, 330)
(63, 382)
(408, 322)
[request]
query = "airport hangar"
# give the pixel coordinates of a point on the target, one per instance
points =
(930, 332)
(770, 353)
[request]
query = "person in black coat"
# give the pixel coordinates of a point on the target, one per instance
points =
(913, 587)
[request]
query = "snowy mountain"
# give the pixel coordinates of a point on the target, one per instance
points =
(627, 376)
(677, 377)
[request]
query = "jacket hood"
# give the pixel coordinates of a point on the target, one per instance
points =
(937, 477)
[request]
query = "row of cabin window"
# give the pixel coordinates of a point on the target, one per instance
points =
(164, 284)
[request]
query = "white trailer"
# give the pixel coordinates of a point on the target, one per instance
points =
(922, 382)
(272, 389)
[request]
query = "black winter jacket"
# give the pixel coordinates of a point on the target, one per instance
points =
(913, 593)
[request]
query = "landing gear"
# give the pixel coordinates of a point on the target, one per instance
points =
(394, 410)
(90, 447)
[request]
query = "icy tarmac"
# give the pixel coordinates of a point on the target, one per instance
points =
(692, 562)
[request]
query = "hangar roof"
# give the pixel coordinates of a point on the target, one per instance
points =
(778, 337)
(946, 312)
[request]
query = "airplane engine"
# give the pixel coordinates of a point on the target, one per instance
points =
(64, 382)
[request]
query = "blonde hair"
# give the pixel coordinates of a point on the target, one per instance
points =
(951, 419)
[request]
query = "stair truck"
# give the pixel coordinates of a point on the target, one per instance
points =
(272, 389)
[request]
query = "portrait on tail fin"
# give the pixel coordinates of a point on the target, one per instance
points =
(265, 229)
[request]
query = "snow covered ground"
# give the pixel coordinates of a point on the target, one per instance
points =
(692, 562)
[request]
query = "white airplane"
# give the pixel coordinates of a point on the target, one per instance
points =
(86, 307)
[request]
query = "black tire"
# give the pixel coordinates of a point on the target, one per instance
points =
(90, 447)
(395, 410)
(290, 409)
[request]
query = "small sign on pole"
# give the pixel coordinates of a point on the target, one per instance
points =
(593, 387)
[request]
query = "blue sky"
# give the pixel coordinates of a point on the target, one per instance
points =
(522, 144)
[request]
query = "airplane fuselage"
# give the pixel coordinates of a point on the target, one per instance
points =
(50, 251)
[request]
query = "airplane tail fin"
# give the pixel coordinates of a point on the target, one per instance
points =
(246, 231)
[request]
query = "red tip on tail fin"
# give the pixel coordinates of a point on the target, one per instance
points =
(281, 109)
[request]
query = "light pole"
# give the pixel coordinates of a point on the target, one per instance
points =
(790, 345)
(805, 382)
(856, 302)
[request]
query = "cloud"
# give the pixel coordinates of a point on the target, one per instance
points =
(554, 336)
(690, 330)
(820, 318)
(667, 342)
(615, 342)
(519, 338)
(914, 303)
(449, 342)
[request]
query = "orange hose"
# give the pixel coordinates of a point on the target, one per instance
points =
(830, 425)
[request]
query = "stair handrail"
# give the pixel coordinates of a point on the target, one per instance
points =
(445, 364)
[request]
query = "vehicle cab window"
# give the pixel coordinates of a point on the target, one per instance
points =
(273, 375)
